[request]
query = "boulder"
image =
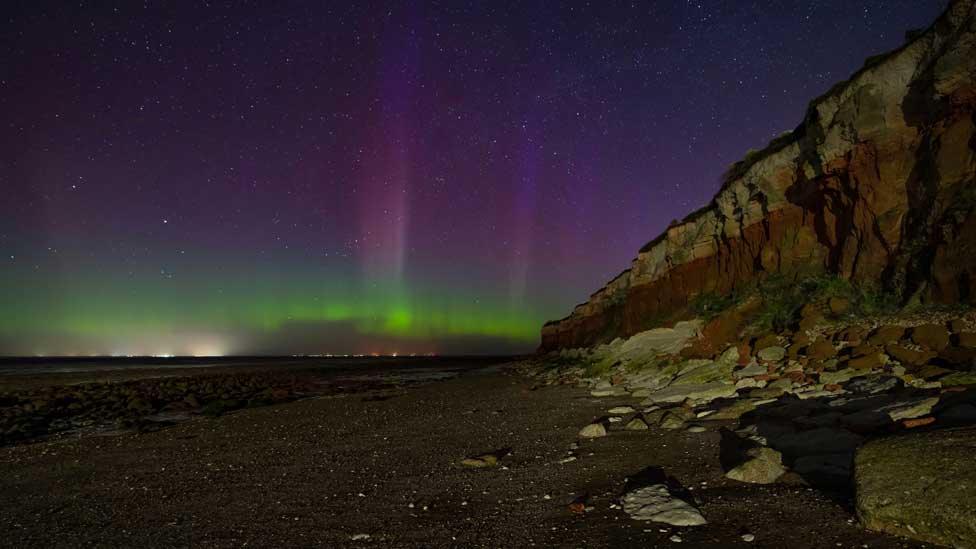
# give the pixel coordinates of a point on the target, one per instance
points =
(886, 334)
(867, 362)
(821, 349)
(636, 424)
(621, 410)
(766, 341)
(966, 339)
(593, 430)
(752, 369)
(708, 372)
(920, 485)
(734, 410)
(774, 353)
(840, 376)
(959, 378)
(762, 466)
(931, 336)
(909, 357)
(960, 358)
(704, 393)
(911, 409)
(655, 503)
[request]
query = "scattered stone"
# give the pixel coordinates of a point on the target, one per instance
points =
(751, 370)
(957, 378)
(484, 460)
(782, 384)
(621, 410)
(636, 424)
(919, 485)
(673, 420)
(772, 354)
(762, 466)
(911, 409)
(747, 383)
(568, 459)
(611, 392)
(748, 538)
(719, 370)
(359, 537)
(704, 393)
(840, 376)
(593, 430)
(874, 384)
(734, 410)
(675, 538)
(656, 503)
(917, 422)
(696, 429)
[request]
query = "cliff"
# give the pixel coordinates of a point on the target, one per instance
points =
(875, 185)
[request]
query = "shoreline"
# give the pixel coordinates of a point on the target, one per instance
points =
(326, 470)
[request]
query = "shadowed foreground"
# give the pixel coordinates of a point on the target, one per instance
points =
(386, 465)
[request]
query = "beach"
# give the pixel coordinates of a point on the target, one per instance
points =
(381, 467)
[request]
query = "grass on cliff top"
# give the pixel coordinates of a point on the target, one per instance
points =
(782, 299)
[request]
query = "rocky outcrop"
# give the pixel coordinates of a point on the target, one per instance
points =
(920, 485)
(876, 184)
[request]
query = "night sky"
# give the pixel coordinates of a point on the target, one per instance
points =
(368, 177)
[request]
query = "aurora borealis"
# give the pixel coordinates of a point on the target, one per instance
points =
(370, 177)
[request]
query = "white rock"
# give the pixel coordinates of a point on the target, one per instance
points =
(772, 354)
(752, 369)
(705, 392)
(656, 503)
(746, 383)
(621, 410)
(593, 430)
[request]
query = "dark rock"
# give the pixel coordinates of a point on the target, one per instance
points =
(838, 305)
(886, 334)
(909, 357)
(931, 336)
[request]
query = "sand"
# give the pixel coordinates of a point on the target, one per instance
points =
(330, 471)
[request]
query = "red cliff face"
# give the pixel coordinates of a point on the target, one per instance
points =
(878, 184)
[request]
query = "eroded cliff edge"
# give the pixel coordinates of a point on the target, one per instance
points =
(875, 185)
